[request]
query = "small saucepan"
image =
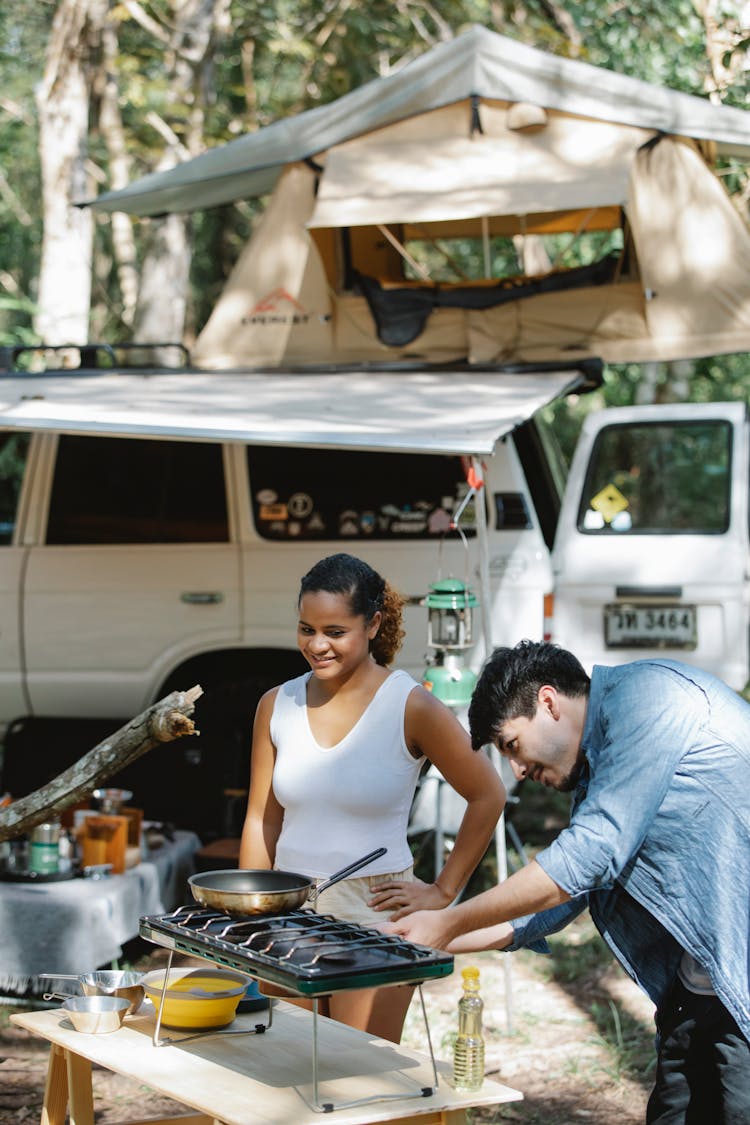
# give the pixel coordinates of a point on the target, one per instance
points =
(124, 985)
(253, 891)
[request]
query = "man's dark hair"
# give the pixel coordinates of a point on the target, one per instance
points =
(508, 687)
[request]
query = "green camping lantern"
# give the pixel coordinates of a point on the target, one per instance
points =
(450, 604)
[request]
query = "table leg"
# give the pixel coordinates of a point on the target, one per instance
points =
(80, 1093)
(55, 1105)
(437, 1117)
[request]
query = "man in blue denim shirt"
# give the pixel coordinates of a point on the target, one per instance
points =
(657, 754)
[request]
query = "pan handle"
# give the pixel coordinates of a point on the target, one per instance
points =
(348, 870)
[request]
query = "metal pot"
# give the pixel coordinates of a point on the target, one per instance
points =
(120, 984)
(96, 1015)
(251, 891)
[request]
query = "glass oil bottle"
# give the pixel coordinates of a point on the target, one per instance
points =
(468, 1052)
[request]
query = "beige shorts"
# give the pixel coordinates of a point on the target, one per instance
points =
(348, 899)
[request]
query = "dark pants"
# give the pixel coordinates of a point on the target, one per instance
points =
(703, 1068)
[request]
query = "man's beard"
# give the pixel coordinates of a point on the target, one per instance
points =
(568, 784)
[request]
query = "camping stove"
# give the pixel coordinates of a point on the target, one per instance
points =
(311, 955)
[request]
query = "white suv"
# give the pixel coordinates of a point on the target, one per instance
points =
(135, 560)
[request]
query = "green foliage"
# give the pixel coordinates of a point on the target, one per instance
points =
(15, 321)
(724, 378)
(24, 29)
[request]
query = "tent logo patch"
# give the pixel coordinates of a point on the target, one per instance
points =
(277, 307)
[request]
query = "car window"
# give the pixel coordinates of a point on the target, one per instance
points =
(134, 490)
(300, 494)
(655, 477)
(14, 449)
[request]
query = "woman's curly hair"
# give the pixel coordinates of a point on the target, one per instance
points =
(368, 594)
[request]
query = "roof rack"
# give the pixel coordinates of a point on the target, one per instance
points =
(34, 358)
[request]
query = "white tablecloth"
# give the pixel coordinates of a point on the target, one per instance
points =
(78, 925)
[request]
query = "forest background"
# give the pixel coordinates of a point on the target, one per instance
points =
(96, 93)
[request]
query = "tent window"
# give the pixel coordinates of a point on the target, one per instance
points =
(467, 259)
(304, 494)
(658, 478)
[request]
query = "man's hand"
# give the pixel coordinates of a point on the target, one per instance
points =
(433, 928)
(402, 898)
(525, 892)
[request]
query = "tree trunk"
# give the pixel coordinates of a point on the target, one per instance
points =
(63, 105)
(194, 28)
(113, 135)
(164, 721)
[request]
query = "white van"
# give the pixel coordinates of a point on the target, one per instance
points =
(154, 528)
(651, 549)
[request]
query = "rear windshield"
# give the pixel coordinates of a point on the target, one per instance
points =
(658, 478)
(302, 494)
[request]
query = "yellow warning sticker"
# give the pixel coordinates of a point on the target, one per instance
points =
(609, 502)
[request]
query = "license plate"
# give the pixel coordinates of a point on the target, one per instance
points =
(650, 626)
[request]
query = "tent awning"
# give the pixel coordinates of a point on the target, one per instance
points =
(436, 412)
(478, 62)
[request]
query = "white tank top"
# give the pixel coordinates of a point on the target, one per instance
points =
(346, 800)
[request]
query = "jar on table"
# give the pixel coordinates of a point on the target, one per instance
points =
(44, 848)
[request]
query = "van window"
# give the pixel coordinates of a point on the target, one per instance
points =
(133, 490)
(14, 450)
(300, 494)
(656, 478)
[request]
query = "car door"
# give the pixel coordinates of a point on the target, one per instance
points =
(137, 569)
(651, 550)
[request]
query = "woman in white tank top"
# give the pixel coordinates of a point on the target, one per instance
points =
(335, 761)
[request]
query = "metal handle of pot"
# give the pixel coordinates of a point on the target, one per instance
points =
(348, 870)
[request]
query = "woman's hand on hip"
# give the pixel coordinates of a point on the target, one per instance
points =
(402, 898)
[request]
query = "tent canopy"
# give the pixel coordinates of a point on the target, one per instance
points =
(449, 412)
(479, 63)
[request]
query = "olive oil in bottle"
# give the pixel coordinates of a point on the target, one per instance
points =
(468, 1052)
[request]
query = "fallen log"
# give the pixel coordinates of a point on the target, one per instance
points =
(162, 722)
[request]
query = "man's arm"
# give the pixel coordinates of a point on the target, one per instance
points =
(526, 892)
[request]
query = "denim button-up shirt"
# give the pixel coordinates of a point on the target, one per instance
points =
(658, 845)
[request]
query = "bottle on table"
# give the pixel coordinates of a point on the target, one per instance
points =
(44, 848)
(64, 852)
(468, 1052)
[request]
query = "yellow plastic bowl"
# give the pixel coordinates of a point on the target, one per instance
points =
(196, 998)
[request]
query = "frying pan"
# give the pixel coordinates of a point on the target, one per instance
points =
(251, 891)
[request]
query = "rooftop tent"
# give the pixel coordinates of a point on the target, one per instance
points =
(477, 142)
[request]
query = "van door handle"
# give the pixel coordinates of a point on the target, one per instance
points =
(202, 597)
(648, 591)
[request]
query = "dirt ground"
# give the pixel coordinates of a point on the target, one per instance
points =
(579, 1043)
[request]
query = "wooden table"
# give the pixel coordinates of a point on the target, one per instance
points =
(252, 1079)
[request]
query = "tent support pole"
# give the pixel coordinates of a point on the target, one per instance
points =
(485, 603)
(404, 252)
(486, 246)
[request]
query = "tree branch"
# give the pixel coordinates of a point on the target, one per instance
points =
(162, 722)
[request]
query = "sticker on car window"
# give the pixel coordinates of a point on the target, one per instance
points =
(609, 502)
(273, 512)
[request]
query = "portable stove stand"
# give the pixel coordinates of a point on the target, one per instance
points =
(204, 933)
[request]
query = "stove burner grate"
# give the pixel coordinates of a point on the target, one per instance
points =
(311, 954)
